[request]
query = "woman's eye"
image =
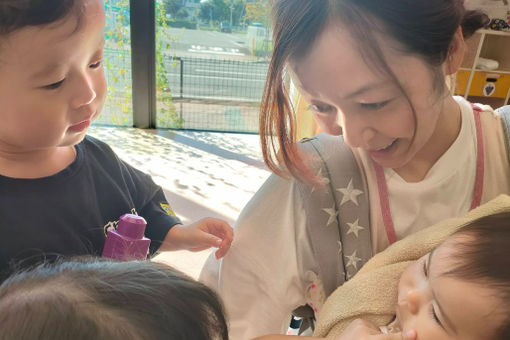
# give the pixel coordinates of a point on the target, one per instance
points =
(96, 64)
(374, 106)
(425, 268)
(320, 108)
(54, 85)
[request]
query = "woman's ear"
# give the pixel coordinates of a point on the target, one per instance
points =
(456, 53)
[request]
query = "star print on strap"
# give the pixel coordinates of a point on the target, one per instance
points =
(354, 228)
(352, 260)
(333, 214)
(350, 194)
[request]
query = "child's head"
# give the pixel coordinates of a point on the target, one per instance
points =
(372, 70)
(107, 301)
(51, 76)
(461, 290)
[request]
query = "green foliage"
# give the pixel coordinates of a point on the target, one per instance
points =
(258, 11)
(215, 11)
(166, 112)
(181, 13)
(182, 24)
(118, 106)
(172, 7)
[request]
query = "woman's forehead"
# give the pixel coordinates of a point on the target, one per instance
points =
(336, 65)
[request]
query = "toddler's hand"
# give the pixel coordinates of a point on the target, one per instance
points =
(363, 330)
(203, 234)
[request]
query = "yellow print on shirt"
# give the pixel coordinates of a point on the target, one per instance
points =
(166, 208)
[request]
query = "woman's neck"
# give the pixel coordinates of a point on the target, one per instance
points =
(30, 164)
(447, 130)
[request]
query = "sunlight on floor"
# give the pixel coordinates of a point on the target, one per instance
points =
(203, 174)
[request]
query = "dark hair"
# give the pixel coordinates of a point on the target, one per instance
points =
(423, 28)
(105, 300)
(16, 14)
(484, 257)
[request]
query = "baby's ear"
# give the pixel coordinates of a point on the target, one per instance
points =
(455, 53)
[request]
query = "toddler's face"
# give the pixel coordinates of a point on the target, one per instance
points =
(52, 84)
(442, 307)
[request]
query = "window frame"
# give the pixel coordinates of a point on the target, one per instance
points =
(143, 62)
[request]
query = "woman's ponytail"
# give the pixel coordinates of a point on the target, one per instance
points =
(472, 21)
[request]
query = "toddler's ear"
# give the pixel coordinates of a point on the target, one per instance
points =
(455, 53)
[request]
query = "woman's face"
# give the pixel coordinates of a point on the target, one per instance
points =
(441, 307)
(373, 114)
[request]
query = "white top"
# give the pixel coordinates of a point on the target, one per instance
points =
(447, 189)
(271, 268)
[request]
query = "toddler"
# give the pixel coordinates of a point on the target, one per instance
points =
(60, 190)
(105, 300)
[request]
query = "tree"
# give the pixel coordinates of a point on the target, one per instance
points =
(182, 13)
(258, 11)
(214, 10)
(172, 7)
(237, 7)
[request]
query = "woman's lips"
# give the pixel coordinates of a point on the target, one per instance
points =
(384, 152)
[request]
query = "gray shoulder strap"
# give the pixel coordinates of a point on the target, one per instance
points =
(504, 112)
(337, 213)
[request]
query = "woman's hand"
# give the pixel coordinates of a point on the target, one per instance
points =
(363, 330)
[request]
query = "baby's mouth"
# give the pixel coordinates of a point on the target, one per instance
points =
(392, 327)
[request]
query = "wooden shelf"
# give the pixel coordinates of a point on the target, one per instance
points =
(493, 71)
(494, 32)
(488, 44)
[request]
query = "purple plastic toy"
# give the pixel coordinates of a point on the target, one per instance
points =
(127, 243)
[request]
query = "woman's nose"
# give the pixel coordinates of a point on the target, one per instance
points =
(357, 132)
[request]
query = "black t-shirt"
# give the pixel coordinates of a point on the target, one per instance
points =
(68, 213)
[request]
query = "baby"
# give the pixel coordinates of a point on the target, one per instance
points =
(459, 290)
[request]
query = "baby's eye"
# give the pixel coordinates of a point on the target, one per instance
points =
(375, 106)
(96, 64)
(432, 312)
(54, 86)
(320, 108)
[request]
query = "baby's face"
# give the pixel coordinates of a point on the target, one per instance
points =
(441, 307)
(52, 84)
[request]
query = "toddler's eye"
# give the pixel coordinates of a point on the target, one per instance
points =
(96, 64)
(54, 85)
(375, 106)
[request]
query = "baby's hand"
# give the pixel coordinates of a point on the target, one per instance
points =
(363, 330)
(203, 234)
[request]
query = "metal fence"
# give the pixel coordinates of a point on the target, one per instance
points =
(211, 94)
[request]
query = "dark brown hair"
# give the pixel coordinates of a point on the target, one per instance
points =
(16, 14)
(484, 257)
(103, 300)
(422, 28)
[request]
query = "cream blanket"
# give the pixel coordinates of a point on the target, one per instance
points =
(372, 293)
